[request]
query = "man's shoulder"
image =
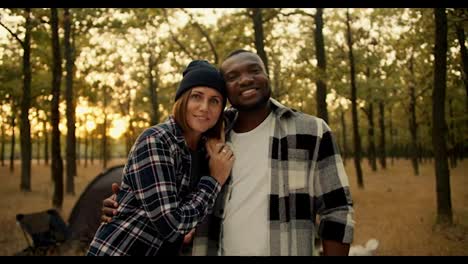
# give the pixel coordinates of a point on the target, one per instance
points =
(299, 116)
(292, 113)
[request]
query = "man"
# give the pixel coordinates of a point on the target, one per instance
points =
(287, 171)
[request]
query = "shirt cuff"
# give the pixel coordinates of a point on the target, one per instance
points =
(210, 184)
(330, 230)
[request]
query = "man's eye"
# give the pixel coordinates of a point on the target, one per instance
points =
(231, 78)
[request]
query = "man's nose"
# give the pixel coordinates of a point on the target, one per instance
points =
(245, 79)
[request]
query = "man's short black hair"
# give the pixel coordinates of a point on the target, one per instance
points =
(237, 51)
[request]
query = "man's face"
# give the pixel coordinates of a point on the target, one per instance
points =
(247, 83)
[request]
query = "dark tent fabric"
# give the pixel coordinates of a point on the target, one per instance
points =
(85, 216)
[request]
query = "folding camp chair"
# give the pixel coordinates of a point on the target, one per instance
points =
(46, 229)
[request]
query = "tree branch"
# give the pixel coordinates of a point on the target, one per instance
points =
(296, 12)
(174, 38)
(13, 34)
(205, 34)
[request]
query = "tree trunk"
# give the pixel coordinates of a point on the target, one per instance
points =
(452, 149)
(382, 152)
(322, 66)
(25, 126)
(356, 136)
(13, 143)
(259, 36)
(370, 135)
(392, 142)
(70, 102)
(86, 148)
(129, 137)
(343, 131)
(38, 141)
(2, 154)
(371, 152)
(153, 86)
(38, 147)
(413, 126)
(57, 163)
(104, 132)
(46, 142)
(439, 134)
(92, 149)
(78, 152)
(464, 59)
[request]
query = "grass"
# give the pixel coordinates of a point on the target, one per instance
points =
(396, 207)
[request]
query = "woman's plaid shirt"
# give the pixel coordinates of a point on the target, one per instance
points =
(307, 180)
(155, 203)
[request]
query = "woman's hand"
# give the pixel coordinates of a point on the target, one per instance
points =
(221, 158)
(188, 237)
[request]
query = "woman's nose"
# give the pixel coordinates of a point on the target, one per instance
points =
(204, 105)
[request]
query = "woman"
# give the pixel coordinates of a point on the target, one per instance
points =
(161, 200)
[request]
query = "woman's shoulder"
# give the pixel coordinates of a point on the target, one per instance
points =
(164, 132)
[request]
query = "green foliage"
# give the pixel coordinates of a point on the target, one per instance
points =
(112, 47)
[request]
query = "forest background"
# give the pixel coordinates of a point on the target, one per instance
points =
(78, 85)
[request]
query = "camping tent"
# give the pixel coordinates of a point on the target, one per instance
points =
(86, 214)
(51, 235)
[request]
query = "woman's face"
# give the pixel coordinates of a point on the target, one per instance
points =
(204, 107)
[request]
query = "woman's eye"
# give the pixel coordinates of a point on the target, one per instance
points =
(214, 101)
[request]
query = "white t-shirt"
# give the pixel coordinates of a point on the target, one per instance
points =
(245, 224)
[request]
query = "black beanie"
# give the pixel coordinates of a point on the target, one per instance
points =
(201, 73)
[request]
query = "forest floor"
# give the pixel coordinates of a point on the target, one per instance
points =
(395, 207)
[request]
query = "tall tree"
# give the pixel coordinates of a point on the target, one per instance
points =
(25, 126)
(356, 136)
(206, 35)
(2, 152)
(46, 140)
(104, 144)
(413, 125)
(369, 111)
(322, 66)
(439, 134)
(57, 163)
(153, 87)
(257, 19)
(13, 143)
(461, 37)
(70, 102)
(382, 149)
(344, 132)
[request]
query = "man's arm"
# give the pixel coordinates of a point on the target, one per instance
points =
(333, 198)
(109, 209)
(335, 248)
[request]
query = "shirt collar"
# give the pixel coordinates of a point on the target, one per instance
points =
(279, 110)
